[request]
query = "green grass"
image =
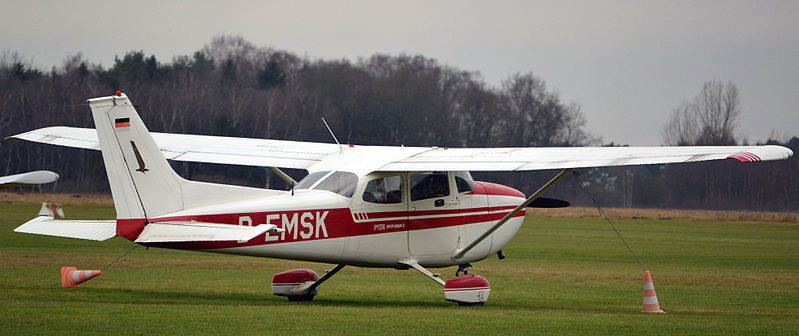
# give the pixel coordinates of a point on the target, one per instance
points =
(562, 276)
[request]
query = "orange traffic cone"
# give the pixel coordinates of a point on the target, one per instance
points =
(72, 277)
(651, 304)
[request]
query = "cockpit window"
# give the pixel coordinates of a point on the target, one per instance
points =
(339, 182)
(429, 185)
(384, 190)
(464, 181)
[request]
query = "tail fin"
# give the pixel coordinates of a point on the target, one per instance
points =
(143, 184)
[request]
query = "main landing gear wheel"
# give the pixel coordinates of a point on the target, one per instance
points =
(300, 284)
(466, 289)
(287, 283)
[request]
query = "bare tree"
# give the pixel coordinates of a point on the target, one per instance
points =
(574, 133)
(709, 119)
(718, 106)
(682, 129)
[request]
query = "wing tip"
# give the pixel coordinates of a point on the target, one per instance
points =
(762, 153)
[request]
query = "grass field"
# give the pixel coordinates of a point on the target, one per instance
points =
(563, 275)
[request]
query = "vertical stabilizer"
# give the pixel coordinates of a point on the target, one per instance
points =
(142, 182)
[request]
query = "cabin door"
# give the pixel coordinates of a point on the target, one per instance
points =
(432, 214)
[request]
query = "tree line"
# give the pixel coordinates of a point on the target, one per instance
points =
(231, 87)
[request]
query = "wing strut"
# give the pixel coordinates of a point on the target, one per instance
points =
(459, 253)
(283, 176)
(413, 263)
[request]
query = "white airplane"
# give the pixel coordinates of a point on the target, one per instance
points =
(27, 179)
(368, 206)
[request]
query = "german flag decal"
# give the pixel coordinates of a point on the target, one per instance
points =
(122, 122)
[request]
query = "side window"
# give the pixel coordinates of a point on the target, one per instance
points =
(464, 181)
(385, 190)
(429, 185)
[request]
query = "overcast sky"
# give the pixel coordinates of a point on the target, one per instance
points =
(629, 63)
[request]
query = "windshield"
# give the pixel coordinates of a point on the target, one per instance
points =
(309, 180)
(339, 182)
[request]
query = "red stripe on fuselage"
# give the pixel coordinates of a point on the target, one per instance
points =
(439, 222)
(303, 225)
(392, 214)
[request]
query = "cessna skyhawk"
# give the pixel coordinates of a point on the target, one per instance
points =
(368, 206)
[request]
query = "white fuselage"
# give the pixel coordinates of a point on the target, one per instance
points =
(323, 226)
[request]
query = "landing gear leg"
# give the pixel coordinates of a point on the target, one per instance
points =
(463, 268)
(416, 266)
(324, 278)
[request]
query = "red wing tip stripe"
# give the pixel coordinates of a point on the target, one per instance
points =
(751, 156)
(738, 157)
(745, 157)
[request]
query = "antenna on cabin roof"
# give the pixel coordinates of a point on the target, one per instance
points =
(331, 133)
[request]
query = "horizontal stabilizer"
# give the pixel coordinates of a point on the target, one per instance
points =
(27, 179)
(81, 229)
(189, 231)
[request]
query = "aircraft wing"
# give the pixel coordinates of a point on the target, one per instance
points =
(201, 148)
(27, 179)
(516, 159)
(81, 229)
(189, 231)
(364, 159)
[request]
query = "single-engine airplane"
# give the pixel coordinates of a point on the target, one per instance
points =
(368, 206)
